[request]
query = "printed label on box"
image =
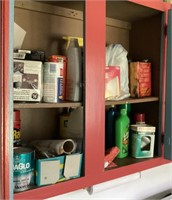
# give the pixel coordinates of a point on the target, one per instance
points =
(140, 79)
(53, 82)
(27, 80)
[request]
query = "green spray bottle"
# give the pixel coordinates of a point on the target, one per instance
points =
(122, 133)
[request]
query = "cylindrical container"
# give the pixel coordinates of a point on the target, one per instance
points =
(64, 118)
(16, 129)
(53, 80)
(63, 146)
(111, 115)
(139, 118)
(24, 164)
(74, 71)
(140, 121)
(57, 147)
(122, 133)
(61, 59)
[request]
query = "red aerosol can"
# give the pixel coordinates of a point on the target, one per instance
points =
(16, 130)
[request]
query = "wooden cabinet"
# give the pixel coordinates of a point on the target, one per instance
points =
(140, 26)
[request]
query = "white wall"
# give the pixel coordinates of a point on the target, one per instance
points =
(133, 187)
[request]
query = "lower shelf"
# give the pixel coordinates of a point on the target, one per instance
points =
(123, 162)
(125, 167)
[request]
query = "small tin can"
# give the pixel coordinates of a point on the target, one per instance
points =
(139, 118)
(24, 165)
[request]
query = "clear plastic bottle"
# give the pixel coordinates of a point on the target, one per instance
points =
(74, 71)
(122, 133)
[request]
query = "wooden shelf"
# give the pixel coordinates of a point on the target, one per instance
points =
(131, 100)
(78, 104)
(47, 105)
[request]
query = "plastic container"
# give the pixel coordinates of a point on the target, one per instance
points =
(139, 118)
(122, 133)
(126, 106)
(74, 72)
(111, 115)
(16, 129)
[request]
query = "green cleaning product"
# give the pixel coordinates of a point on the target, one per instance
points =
(122, 133)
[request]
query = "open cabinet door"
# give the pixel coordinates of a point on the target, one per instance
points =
(6, 106)
(168, 112)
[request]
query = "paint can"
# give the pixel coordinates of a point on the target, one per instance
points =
(16, 129)
(23, 171)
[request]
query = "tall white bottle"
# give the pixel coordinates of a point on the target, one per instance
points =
(74, 71)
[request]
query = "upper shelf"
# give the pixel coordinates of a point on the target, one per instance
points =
(78, 104)
(132, 100)
(47, 105)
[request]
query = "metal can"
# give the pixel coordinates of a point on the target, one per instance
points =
(24, 165)
(54, 79)
(16, 129)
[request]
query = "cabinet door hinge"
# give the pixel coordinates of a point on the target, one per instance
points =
(89, 190)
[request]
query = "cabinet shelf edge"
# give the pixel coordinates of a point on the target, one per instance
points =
(47, 105)
(132, 100)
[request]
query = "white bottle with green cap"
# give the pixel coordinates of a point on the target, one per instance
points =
(122, 133)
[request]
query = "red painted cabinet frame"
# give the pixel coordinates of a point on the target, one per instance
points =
(94, 99)
(6, 152)
(95, 17)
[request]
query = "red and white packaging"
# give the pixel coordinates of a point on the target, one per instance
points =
(140, 79)
(112, 82)
(110, 155)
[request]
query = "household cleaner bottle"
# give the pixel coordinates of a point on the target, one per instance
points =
(111, 115)
(74, 72)
(122, 133)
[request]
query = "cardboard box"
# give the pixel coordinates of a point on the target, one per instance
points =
(56, 169)
(29, 55)
(72, 167)
(142, 141)
(27, 81)
(49, 170)
(140, 79)
(143, 128)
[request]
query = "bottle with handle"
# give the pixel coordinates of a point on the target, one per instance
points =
(122, 133)
(74, 71)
